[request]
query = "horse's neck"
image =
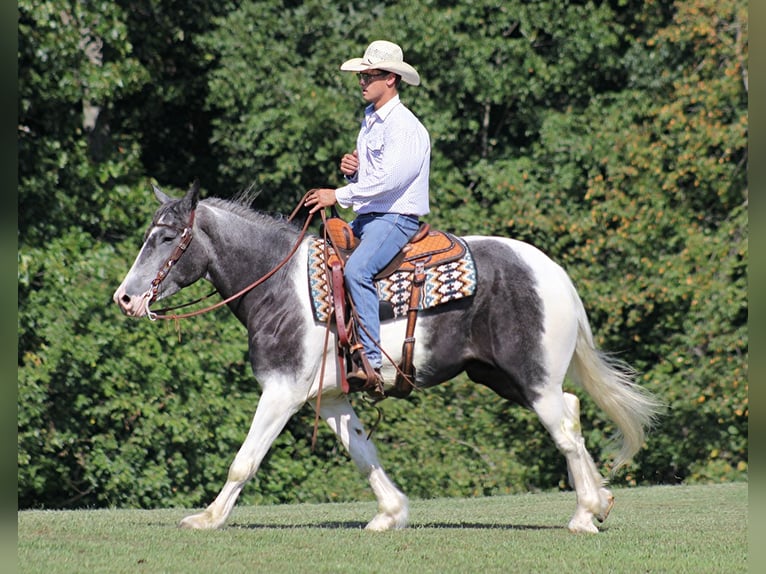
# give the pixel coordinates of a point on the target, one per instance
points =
(243, 250)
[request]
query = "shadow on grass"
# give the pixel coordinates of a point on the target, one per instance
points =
(416, 526)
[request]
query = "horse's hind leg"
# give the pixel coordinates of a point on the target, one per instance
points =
(560, 413)
(393, 506)
(274, 410)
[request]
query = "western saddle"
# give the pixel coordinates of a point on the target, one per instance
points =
(426, 249)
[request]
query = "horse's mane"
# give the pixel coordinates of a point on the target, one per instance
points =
(240, 206)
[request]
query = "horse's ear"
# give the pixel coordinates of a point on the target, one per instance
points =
(161, 195)
(192, 196)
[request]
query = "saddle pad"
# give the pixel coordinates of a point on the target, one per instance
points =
(445, 282)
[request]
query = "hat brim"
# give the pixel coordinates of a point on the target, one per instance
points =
(407, 72)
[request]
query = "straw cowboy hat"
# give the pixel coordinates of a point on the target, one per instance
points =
(383, 55)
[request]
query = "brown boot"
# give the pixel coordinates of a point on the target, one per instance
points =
(357, 379)
(372, 385)
(361, 370)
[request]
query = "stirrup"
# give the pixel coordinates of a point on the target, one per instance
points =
(362, 381)
(363, 377)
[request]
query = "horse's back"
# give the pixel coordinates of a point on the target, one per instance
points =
(525, 292)
(523, 252)
(527, 267)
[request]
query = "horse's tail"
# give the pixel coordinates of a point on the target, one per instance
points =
(611, 384)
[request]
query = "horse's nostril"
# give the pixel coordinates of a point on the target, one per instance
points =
(125, 299)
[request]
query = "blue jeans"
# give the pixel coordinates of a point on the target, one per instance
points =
(382, 236)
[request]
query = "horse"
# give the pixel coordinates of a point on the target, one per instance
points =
(520, 334)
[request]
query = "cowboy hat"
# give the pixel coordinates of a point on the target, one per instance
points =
(386, 56)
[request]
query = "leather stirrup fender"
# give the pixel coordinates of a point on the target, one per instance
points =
(405, 375)
(338, 301)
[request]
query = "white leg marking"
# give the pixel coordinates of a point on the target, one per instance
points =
(560, 413)
(274, 410)
(393, 506)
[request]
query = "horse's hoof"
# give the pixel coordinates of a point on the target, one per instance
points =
(383, 522)
(582, 527)
(582, 522)
(610, 503)
(199, 521)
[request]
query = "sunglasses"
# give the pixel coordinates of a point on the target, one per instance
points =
(366, 78)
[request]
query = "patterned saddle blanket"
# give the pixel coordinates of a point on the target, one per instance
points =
(452, 279)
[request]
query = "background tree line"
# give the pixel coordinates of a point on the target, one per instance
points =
(612, 135)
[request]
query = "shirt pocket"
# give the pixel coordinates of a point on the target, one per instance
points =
(374, 147)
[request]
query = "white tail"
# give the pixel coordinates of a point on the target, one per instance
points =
(610, 382)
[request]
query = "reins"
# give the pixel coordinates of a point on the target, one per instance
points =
(186, 238)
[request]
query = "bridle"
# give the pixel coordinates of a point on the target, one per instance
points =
(186, 238)
(180, 249)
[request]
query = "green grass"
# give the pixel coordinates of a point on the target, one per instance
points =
(694, 529)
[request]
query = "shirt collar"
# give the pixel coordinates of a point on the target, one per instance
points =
(384, 111)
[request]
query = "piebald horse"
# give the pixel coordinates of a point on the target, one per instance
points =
(520, 334)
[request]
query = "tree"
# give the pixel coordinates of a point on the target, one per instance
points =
(75, 62)
(613, 135)
(168, 115)
(649, 215)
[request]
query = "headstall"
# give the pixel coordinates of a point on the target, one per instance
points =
(180, 249)
(186, 237)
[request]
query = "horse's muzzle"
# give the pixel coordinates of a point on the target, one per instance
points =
(132, 305)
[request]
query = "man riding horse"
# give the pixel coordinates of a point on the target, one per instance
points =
(387, 186)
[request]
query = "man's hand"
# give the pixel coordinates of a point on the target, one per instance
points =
(320, 198)
(349, 164)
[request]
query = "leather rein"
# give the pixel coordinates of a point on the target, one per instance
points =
(186, 237)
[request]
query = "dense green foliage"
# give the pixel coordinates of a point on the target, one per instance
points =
(612, 135)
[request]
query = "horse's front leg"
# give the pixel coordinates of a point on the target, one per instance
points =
(393, 506)
(275, 408)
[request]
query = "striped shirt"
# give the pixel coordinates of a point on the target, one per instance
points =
(394, 163)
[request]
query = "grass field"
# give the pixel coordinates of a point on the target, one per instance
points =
(696, 529)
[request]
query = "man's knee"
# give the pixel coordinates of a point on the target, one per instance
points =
(356, 274)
